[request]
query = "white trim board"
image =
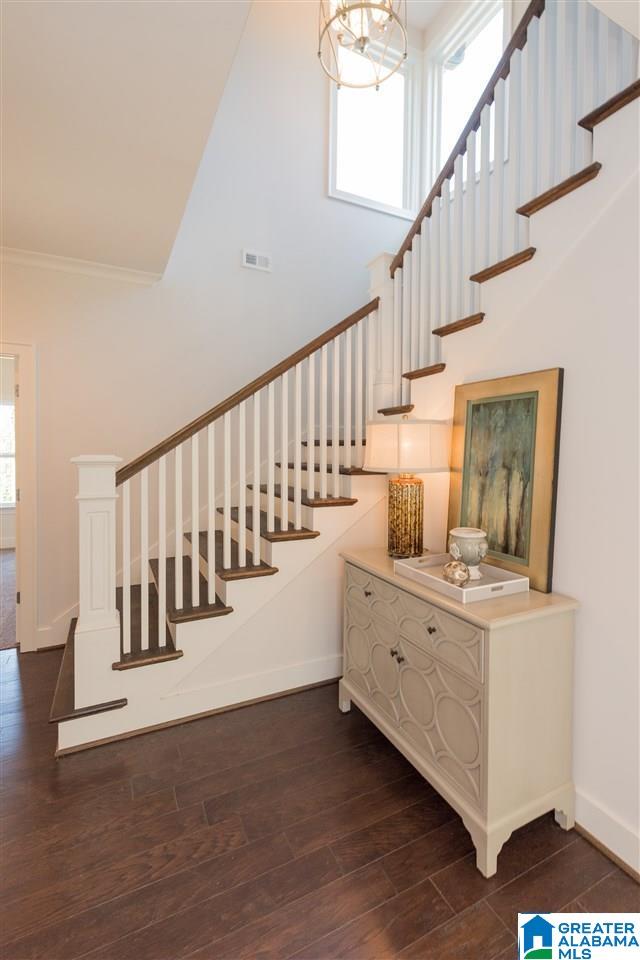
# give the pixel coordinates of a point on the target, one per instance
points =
(620, 838)
(87, 268)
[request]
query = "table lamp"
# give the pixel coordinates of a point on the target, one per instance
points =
(406, 447)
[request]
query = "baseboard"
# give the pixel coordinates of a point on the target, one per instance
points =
(609, 834)
(195, 716)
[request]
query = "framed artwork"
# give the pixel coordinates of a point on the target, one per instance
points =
(504, 468)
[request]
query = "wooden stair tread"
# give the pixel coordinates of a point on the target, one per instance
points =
(155, 652)
(503, 265)
(425, 371)
(448, 328)
(560, 190)
(313, 501)
(344, 471)
(329, 443)
(235, 571)
(395, 411)
(63, 706)
(610, 106)
(187, 612)
(273, 536)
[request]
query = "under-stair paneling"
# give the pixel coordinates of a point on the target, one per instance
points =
(576, 305)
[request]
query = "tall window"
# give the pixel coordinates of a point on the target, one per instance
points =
(371, 141)
(466, 72)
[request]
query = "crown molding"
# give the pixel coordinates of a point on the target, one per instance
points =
(86, 268)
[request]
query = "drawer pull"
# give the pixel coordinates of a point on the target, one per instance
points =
(400, 658)
(431, 629)
(394, 652)
(367, 593)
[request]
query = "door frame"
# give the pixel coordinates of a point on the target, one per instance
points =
(26, 508)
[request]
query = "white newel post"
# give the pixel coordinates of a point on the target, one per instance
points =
(381, 285)
(97, 637)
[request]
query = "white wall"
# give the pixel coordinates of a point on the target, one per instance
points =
(576, 305)
(121, 366)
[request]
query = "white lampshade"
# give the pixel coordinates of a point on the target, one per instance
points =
(408, 446)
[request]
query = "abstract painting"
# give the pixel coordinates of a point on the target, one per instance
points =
(504, 463)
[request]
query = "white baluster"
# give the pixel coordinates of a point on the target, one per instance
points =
(211, 513)
(322, 401)
(271, 456)
(311, 425)
(179, 529)
(360, 436)
(397, 333)
(445, 259)
(530, 115)
(424, 330)
(565, 90)
(515, 229)
(144, 558)
(162, 551)
(284, 451)
(370, 330)
(414, 361)
(626, 60)
(434, 280)
(335, 418)
(297, 453)
(348, 363)
(497, 193)
(242, 485)
(581, 139)
(406, 321)
(545, 93)
(484, 187)
(469, 251)
(457, 239)
(195, 521)
(603, 58)
(126, 567)
(255, 511)
(226, 506)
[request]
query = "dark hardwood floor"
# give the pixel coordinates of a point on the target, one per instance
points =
(284, 829)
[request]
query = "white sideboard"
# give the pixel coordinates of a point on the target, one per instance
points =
(478, 697)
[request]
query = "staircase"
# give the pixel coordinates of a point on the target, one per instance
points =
(217, 526)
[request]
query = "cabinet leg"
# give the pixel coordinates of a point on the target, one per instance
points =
(344, 700)
(488, 846)
(565, 811)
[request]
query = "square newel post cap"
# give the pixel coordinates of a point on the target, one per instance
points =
(96, 475)
(379, 269)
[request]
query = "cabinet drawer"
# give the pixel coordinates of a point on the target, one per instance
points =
(449, 638)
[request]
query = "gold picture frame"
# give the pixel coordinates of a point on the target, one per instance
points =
(504, 468)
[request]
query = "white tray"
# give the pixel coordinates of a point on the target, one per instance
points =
(494, 582)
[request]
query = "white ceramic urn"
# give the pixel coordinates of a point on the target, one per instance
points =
(469, 544)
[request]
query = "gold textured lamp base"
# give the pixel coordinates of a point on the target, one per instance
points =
(406, 512)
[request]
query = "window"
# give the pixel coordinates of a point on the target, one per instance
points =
(7, 455)
(371, 141)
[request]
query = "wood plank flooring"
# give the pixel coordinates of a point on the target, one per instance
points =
(283, 829)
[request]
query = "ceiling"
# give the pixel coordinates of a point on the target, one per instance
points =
(420, 13)
(107, 107)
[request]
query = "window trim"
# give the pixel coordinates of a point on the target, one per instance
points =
(412, 187)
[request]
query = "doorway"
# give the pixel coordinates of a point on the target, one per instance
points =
(17, 498)
(8, 634)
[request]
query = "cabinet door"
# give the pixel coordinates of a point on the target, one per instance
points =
(441, 714)
(369, 664)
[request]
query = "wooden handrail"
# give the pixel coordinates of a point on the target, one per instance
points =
(517, 42)
(130, 469)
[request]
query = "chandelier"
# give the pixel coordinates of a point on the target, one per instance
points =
(362, 43)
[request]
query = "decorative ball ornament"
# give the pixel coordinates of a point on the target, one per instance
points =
(376, 31)
(456, 572)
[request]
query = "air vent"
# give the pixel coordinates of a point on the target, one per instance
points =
(257, 261)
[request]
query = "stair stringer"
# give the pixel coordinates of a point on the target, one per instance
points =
(154, 692)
